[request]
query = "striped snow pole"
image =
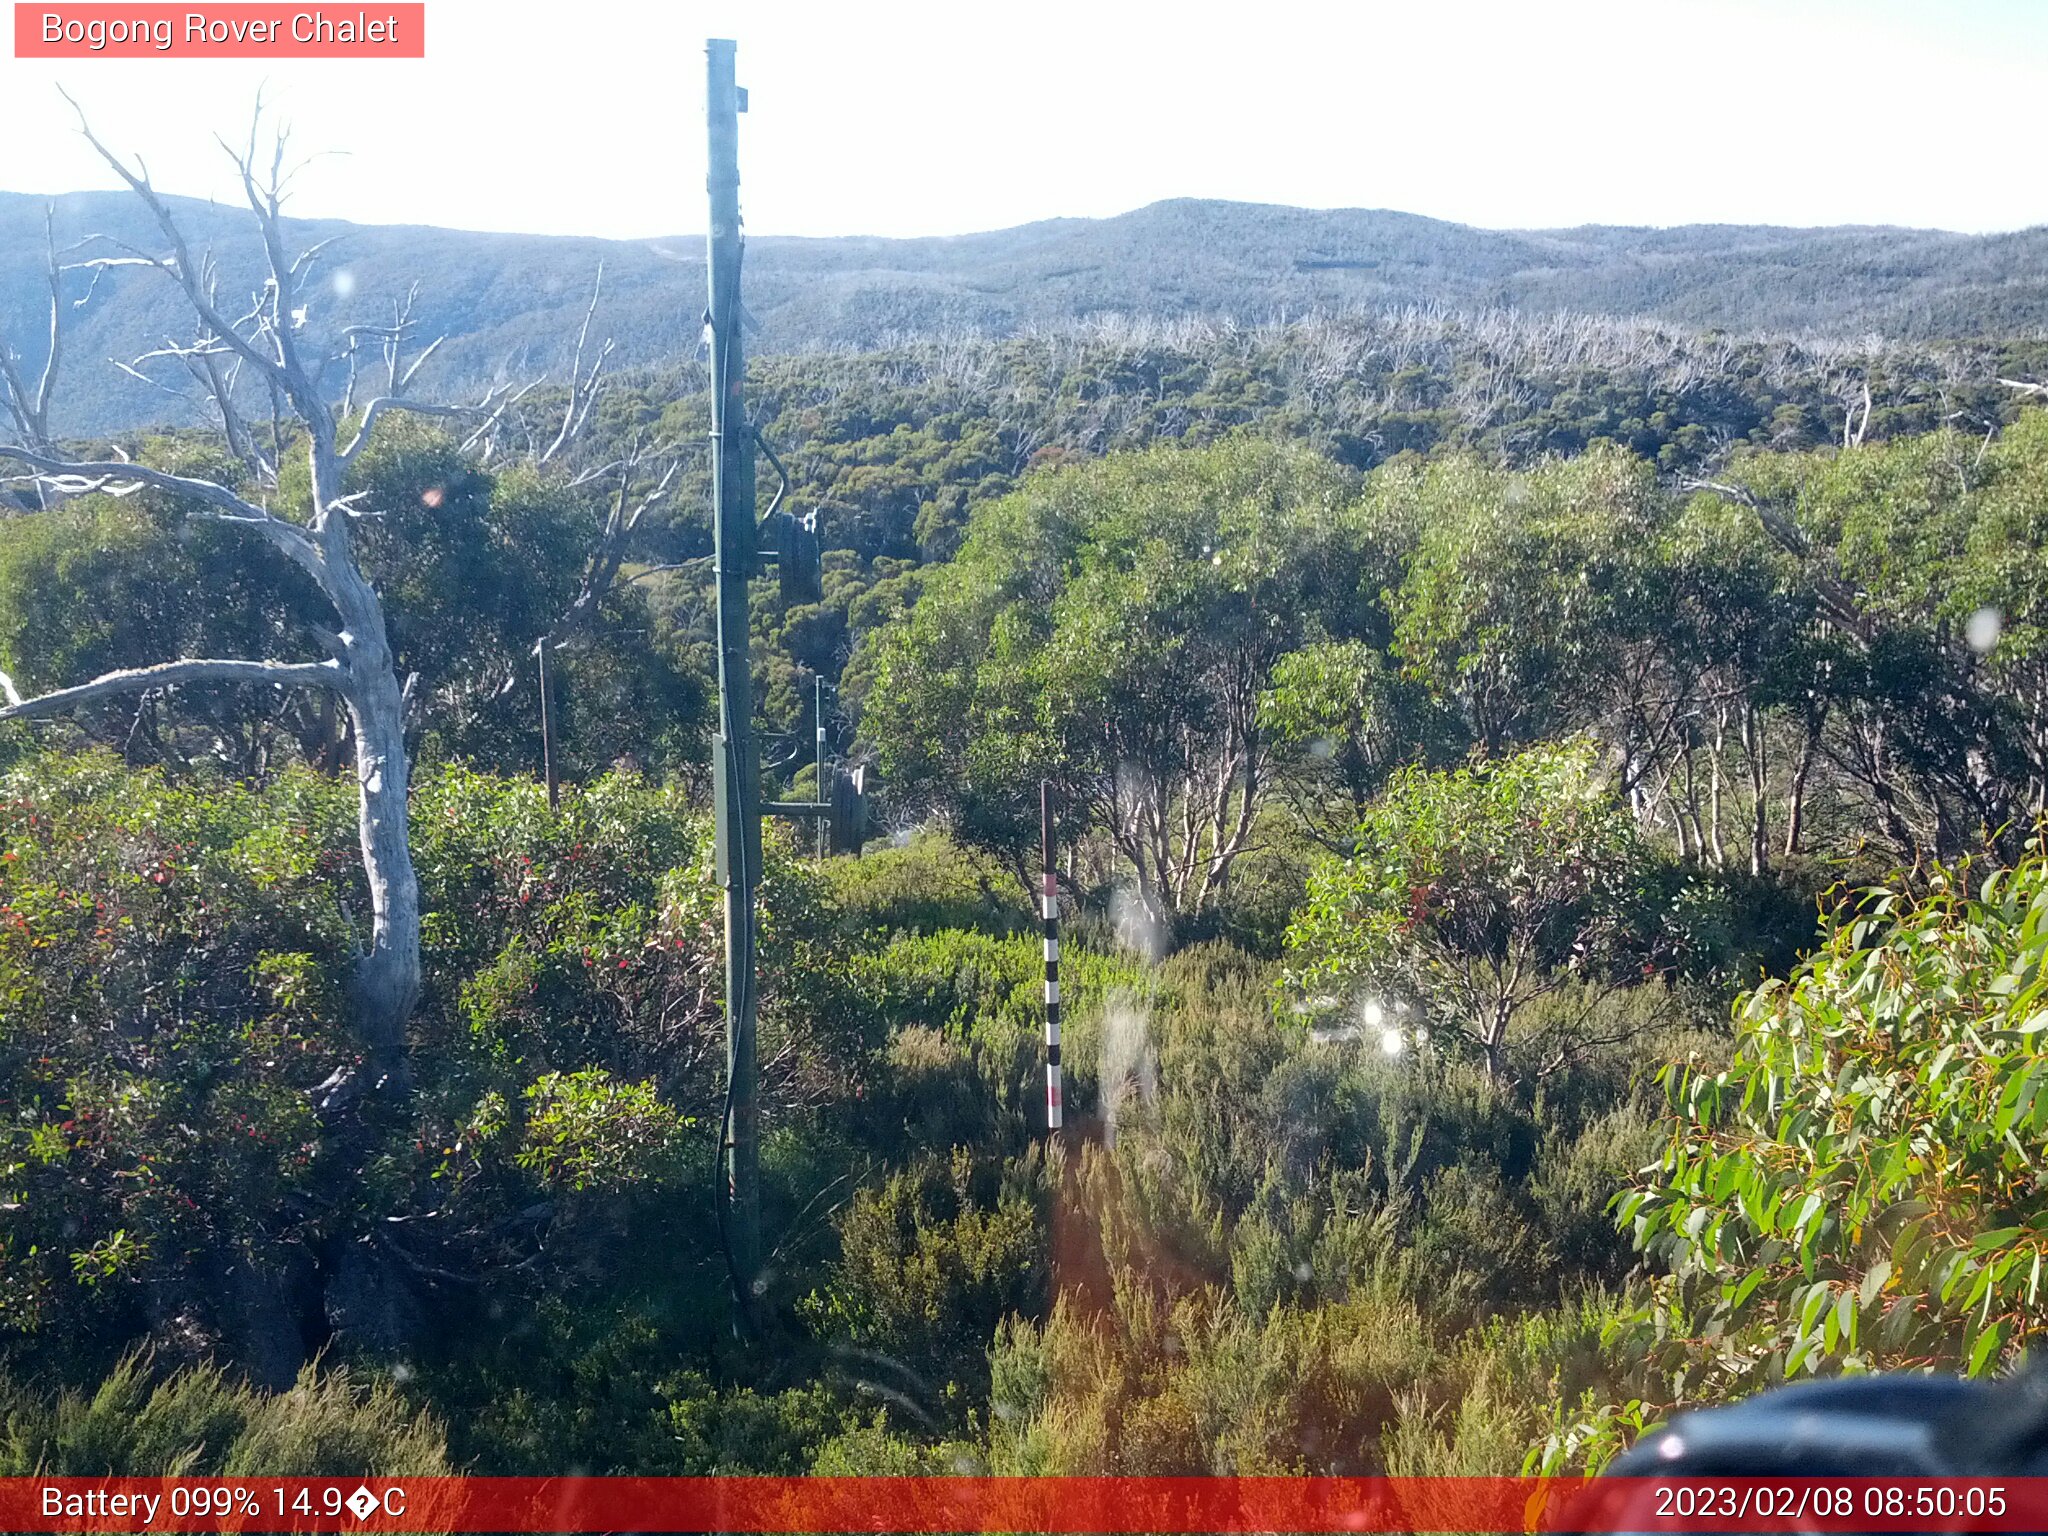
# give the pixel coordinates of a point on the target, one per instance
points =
(1050, 903)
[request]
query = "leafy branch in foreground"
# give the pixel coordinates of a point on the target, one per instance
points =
(1861, 1188)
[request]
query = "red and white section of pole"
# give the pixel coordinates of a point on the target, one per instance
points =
(1049, 902)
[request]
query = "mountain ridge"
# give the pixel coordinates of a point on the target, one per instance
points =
(512, 302)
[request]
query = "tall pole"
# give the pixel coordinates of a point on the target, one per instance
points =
(736, 772)
(1050, 898)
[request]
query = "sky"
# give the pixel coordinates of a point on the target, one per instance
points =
(902, 117)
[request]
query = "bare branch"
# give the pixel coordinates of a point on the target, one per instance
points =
(601, 574)
(283, 674)
(303, 263)
(662, 570)
(1854, 430)
(487, 411)
(1788, 535)
(208, 491)
(383, 403)
(412, 369)
(140, 377)
(30, 408)
(66, 477)
(584, 389)
(486, 430)
(179, 267)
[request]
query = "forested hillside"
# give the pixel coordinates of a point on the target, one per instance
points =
(510, 304)
(1495, 758)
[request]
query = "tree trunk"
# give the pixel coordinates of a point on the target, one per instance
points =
(1496, 1046)
(1689, 807)
(1759, 787)
(1795, 806)
(387, 979)
(1716, 850)
(547, 733)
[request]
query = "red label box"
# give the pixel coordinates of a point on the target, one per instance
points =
(1060, 1506)
(377, 30)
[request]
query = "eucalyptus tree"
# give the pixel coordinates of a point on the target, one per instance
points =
(1344, 718)
(1114, 627)
(1922, 562)
(242, 359)
(1530, 600)
(1475, 895)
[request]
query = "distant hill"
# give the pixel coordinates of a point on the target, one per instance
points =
(511, 302)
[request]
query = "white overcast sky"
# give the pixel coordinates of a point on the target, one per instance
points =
(900, 117)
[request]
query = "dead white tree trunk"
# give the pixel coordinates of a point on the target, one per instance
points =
(266, 342)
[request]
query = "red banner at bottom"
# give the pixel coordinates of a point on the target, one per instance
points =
(1050, 1504)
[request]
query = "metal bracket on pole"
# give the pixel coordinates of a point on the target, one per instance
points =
(845, 814)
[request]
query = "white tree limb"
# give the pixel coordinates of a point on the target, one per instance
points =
(584, 389)
(119, 477)
(179, 267)
(31, 407)
(283, 674)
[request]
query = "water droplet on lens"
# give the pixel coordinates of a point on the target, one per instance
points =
(1983, 630)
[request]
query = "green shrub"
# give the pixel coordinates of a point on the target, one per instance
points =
(1860, 1185)
(1192, 1386)
(197, 1423)
(927, 883)
(588, 1130)
(1471, 897)
(174, 965)
(988, 993)
(738, 1431)
(931, 1260)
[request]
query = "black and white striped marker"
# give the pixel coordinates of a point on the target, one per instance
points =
(1050, 907)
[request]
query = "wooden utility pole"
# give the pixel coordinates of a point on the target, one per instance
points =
(736, 769)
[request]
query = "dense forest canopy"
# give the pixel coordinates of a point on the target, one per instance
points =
(1493, 755)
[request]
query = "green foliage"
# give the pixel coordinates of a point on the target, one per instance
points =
(1473, 895)
(1192, 1386)
(1109, 627)
(985, 995)
(173, 961)
(927, 884)
(472, 567)
(168, 965)
(1519, 586)
(101, 584)
(198, 1423)
(1858, 1188)
(1349, 718)
(588, 1130)
(930, 1261)
(723, 1433)
(1576, 751)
